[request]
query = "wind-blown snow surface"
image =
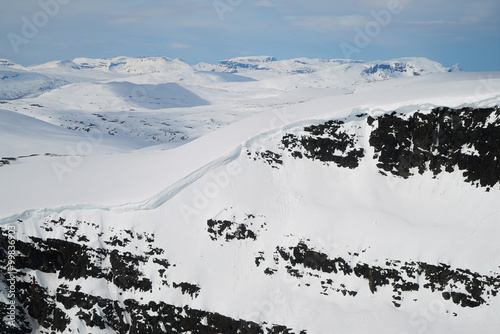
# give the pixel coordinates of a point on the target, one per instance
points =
(334, 215)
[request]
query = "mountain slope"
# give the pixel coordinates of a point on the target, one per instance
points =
(375, 211)
(19, 84)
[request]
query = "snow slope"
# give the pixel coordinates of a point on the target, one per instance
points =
(32, 135)
(241, 223)
(424, 92)
(17, 84)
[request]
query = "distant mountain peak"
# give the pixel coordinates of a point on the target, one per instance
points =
(251, 59)
(249, 63)
(8, 63)
(132, 65)
(409, 66)
(455, 68)
(404, 66)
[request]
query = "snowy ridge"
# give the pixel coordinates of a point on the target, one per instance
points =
(19, 84)
(123, 65)
(404, 66)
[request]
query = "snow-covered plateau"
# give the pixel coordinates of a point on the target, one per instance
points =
(147, 195)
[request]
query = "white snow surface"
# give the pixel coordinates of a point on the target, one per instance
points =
(173, 156)
(156, 100)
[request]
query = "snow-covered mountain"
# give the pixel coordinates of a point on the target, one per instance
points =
(122, 97)
(19, 84)
(124, 65)
(402, 66)
(355, 206)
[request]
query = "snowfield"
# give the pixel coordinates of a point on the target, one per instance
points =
(298, 196)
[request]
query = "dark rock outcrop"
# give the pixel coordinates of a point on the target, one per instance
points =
(464, 287)
(440, 141)
(36, 307)
(328, 142)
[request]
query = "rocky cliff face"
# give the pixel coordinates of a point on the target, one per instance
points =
(58, 254)
(72, 257)
(443, 140)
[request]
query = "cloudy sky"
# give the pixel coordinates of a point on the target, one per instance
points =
(448, 31)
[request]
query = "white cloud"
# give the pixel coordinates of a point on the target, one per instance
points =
(326, 23)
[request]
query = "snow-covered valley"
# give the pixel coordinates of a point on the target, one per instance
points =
(146, 195)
